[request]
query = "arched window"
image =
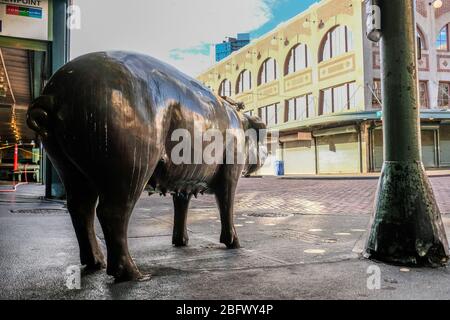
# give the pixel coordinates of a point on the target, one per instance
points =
(225, 88)
(337, 41)
(442, 39)
(244, 82)
(297, 59)
(420, 35)
(268, 71)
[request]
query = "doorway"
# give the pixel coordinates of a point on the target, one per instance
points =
(23, 73)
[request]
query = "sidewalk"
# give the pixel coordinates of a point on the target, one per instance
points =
(288, 251)
(362, 176)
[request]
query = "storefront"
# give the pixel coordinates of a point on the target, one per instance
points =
(355, 148)
(299, 157)
(435, 146)
(34, 43)
(338, 150)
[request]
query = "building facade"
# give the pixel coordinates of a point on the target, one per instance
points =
(34, 43)
(316, 79)
(226, 48)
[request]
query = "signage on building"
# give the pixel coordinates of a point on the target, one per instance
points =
(24, 19)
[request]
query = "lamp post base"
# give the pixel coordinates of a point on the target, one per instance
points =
(406, 228)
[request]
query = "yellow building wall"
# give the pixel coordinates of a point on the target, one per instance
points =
(310, 28)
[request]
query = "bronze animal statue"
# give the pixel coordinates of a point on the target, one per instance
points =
(105, 120)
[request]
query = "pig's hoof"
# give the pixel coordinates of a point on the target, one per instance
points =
(94, 263)
(123, 273)
(180, 241)
(232, 242)
(145, 277)
(100, 265)
(127, 276)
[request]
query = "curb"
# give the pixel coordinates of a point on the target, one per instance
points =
(349, 177)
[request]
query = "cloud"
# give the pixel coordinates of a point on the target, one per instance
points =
(179, 32)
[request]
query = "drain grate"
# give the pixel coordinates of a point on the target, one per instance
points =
(268, 215)
(40, 211)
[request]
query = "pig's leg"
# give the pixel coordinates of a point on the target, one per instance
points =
(81, 202)
(180, 236)
(114, 211)
(225, 191)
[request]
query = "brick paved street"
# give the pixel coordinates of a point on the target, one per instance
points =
(318, 196)
(298, 236)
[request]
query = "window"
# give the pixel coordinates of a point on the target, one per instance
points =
(376, 94)
(299, 108)
(422, 39)
(249, 113)
(225, 88)
(443, 95)
(442, 39)
(268, 71)
(423, 94)
(337, 41)
(270, 115)
(338, 99)
(298, 59)
(244, 82)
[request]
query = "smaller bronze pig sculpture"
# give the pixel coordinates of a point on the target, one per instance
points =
(106, 121)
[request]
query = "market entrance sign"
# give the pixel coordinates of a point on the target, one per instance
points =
(24, 19)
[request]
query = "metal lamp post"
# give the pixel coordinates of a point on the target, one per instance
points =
(406, 227)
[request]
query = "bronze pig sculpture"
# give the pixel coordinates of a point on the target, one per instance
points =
(105, 120)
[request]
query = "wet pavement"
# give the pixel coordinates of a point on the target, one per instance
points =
(299, 238)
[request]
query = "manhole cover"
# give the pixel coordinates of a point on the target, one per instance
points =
(40, 211)
(268, 215)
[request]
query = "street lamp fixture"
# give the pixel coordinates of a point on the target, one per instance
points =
(436, 4)
(274, 41)
(213, 75)
(230, 65)
(307, 23)
(250, 54)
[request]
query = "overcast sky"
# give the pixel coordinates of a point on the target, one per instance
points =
(179, 32)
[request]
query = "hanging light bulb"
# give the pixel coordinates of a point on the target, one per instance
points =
(249, 55)
(437, 4)
(2, 90)
(306, 24)
(274, 41)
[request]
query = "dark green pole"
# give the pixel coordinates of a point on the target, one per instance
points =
(59, 56)
(406, 227)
